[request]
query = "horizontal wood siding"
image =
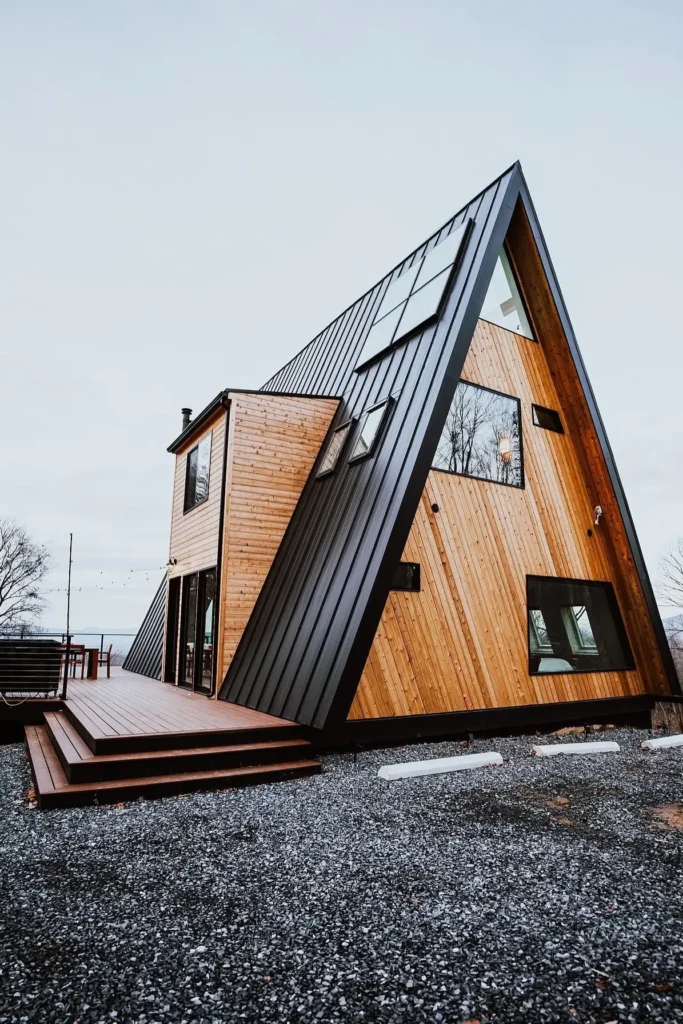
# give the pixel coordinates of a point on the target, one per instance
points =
(461, 642)
(194, 534)
(273, 443)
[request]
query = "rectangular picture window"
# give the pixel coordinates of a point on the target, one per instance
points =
(546, 418)
(407, 576)
(482, 437)
(335, 448)
(369, 431)
(197, 473)
(575, 626)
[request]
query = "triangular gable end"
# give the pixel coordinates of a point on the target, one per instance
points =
(309, 636)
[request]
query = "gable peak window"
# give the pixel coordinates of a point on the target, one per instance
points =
(197, 473)
(503, 304)
(415, 298)
(482, 436)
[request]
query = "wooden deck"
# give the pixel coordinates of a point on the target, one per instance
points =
(130, 712)
(130, 736)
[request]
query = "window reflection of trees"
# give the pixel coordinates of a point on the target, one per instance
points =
(481, 436)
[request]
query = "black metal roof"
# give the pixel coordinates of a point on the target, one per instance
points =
(303, 650)
(144, 656)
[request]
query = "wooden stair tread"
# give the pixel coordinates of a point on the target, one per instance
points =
(52, 783)
(76, 750)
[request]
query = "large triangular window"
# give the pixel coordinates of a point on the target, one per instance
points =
(503, 303)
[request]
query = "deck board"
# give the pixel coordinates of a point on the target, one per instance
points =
(129, 707)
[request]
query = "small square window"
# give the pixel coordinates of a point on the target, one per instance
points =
(369, 432)
(335, 448)
(546, 418)
(407, 576)
(197, 474)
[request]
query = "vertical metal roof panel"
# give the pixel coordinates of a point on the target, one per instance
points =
(306, 642)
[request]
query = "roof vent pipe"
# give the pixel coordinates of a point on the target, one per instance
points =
(187, 416)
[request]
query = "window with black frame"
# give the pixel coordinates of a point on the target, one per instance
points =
(370, 430)
(197, 474)
(575, 626)
(482, 437)
(503, 304)
(335, 448)
(406, 577)
(197, 627)
(415, 298)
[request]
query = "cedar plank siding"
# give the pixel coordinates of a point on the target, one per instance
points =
(461, 642)
(273, 442)
(194, 534)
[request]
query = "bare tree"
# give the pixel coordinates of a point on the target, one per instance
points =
(670, 591)
(671, 576)
(23, 565)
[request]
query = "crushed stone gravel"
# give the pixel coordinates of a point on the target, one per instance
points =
(543, 890)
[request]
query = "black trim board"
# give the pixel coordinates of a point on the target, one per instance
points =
(490, 720)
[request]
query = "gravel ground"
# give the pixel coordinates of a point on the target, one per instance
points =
(545, 890)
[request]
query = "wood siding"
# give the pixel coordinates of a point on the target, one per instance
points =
(461, 642)
(273, 442)
(194, 534)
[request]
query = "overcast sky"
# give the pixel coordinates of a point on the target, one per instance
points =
(190, 191)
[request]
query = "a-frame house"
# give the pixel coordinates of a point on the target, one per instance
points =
(416, 528)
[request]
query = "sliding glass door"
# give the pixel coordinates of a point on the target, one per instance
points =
(192, 621)
(206, 625)
(188, 631)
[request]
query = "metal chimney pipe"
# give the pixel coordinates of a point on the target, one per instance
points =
(187, 416)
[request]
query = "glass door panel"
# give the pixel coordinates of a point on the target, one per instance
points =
(188, 639)
(172, 610)
(206, 624)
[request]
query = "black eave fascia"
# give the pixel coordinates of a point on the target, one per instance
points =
(601, 434)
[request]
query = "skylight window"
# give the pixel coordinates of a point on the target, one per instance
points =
(415, 298)
(335, 448)
(369, 432)
(503, 303)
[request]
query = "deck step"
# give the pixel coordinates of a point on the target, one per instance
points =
(53, 788)
(81, 765)
(85, 721)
